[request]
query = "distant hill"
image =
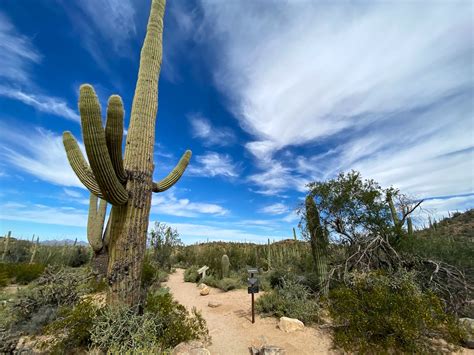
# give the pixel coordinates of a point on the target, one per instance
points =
(458, 225)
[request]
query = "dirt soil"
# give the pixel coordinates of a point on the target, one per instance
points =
(230, 324)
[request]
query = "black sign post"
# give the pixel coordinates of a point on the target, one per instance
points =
(253, 289)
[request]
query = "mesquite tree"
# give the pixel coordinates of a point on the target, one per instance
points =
(125, 183)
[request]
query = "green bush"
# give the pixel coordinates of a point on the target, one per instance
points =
(228, 284)
(74, 324)
(291, 299)
(191, 274)
(21, 273)
(379, 312)
(163, 325)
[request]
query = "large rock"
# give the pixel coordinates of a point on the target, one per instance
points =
(205, 291)
(289, 325)
(468, 325)
(192, 347)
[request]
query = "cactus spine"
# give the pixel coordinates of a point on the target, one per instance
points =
(126, 184)
(225, 263)
(319, 243)
(6, 242)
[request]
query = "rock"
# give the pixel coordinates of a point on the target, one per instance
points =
(214, 304)
(272, 350)
(257, 344)
(40, 344)
(205, 291)
(201, 286)
(468, 325)
(192, 347)
(289, 325)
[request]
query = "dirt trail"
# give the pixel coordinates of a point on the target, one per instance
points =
(230, 324)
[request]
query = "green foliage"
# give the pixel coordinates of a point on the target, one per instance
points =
(151, 274)
(225, 284)
(291, 299)
(163, 325)
(164, 241)
(73, 325)
(191, 274)
(21, 273)
(380, 312)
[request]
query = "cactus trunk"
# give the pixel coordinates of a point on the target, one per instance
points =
(319, 243)
(6, 242)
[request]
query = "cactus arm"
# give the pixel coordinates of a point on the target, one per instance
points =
(95, 222)
(393, 211)
(96, 148)
(114, 135)
(174, 175)
(79, 164)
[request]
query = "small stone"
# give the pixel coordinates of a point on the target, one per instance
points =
(205, 291)
(214, 304)
(192, 347)
(272, 350)
(289, 325)
(201, 286)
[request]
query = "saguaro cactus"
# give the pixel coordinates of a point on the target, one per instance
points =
(225, 263)
(125, 184)
(6, 242)
(34, 248)
(97, 237)
(319, 243)
(294, 234)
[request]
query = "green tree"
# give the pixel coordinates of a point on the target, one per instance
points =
(163, 241)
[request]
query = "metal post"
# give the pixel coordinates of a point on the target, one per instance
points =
(253, 309)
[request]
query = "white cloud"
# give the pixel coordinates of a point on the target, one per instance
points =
(168, 204)
(213, 164)
(275, 209)
(202, 129)
(43, 103)
(40, 153)
(104, 26)
(199, 232)
(18, 56)
(73, 193)
(44, 214)
(384, 87)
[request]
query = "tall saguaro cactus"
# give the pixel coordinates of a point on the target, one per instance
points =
(319, 242)
(125, 183)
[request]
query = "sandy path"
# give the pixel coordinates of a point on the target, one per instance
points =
(230, 324)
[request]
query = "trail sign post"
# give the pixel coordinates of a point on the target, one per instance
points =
(202, 271)
(252, 288)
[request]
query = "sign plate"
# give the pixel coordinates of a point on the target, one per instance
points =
(253, 281)
(204, 268)
(253, 289)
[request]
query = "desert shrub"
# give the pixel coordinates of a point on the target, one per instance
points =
(4, 278)
(228, 284)
(377, 312)
(21, 273)
(163, 325)
(291, 299)
(191, 274)
(72, 326)
(78, 256)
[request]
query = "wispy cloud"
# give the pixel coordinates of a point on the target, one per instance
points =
(18, 58)
(202, 129)
(384, 88)
(66, 216)
(214, 164)
(275, 209)
(39, 153)
(103, 26)
(168, 204)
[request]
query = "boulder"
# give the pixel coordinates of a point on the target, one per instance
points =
(468, 325)
(192, 347)
(289, 325)
(214, 304)
(205, 291)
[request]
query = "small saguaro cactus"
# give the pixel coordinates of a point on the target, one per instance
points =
(6, 242)
(34, 248)
(225, 263)
(126, 183)
(97, 237)
(319, 243)
(294, 234)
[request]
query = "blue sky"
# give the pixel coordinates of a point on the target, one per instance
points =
(269, 95)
